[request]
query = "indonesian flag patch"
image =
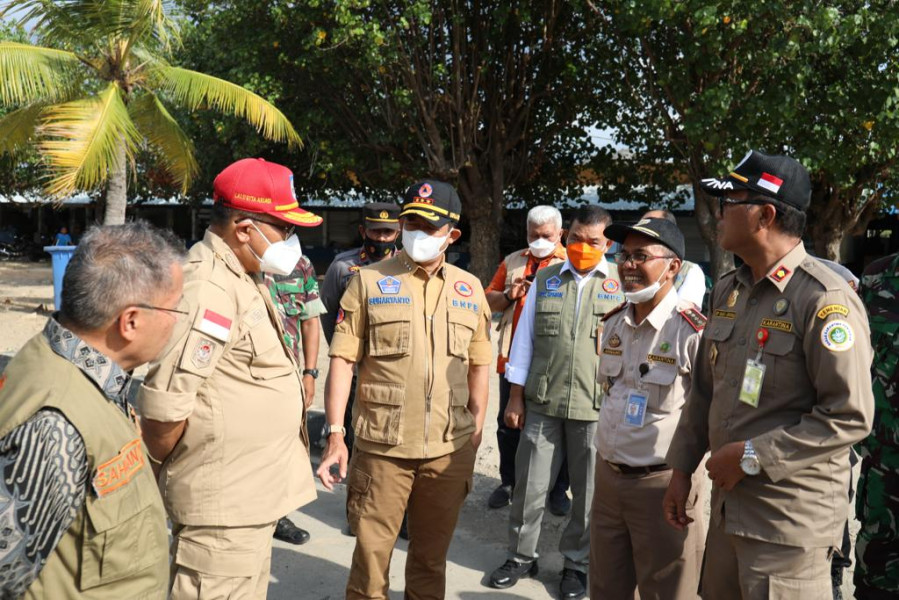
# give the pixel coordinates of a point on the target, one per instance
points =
(215, 325)
(770, 182)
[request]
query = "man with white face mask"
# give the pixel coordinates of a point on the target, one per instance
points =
(418, 330)
(506, 294)
(648, 349)
(223, 407)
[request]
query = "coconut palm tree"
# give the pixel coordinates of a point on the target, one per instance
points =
(96, 94)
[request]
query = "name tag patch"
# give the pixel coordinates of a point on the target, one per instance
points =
(389, 300)
(779, 325)
(119, 470)
(549, 294)
(726, 314)
(389, 285)
(668, 360)
(465, 304)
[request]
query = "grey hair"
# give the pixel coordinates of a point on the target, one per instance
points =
(116, 266)
(543, 214)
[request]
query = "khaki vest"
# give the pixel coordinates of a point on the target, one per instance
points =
(562, 379)
(117, 546)
(412, 392)
(515, 265)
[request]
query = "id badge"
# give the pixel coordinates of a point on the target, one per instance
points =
(635, 409)
(751, 388)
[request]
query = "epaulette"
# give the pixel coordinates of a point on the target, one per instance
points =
(617, 309)
(696, 319)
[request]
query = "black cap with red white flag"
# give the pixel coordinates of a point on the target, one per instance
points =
(780, 178)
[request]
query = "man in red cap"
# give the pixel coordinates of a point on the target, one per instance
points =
(221, 408)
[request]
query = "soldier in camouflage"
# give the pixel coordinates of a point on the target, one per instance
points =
(877, 505)
(299, 305)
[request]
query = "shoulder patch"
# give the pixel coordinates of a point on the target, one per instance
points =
(832, 309)
(696, 319)
(215, 325)
(615, 310)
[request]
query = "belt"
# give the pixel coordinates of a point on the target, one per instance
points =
(629, 470)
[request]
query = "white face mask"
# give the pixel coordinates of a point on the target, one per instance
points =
(541, 247)
(279, 258)
(647, 293)
(422, 247)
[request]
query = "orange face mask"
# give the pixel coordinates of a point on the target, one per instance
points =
(583, 256)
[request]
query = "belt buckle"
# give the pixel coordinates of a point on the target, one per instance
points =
(614, 467)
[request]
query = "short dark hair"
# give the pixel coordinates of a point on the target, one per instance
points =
(590, 214)
(791, 221)
(222, 215)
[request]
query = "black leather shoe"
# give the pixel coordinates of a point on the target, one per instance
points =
(501, 496)
(559, 503)
(286, 531)
(573, 585)
(508, 575)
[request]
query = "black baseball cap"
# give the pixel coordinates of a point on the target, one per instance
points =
(780, 178)
(381, 215)
(435, 201)
(662, 231)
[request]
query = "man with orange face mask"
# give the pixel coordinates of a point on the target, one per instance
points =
(555, 398)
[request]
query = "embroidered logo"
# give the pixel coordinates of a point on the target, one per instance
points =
(202, 354)
(610, 286)
(780, 273)
(424, 191)
(463, 289)
(837, 336)
(118, 470)
(389, 285)
(554, 282)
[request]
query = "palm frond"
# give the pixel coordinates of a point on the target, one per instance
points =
(194, 90)
(165, 135)
(17, 128)
(81, 138)
(29, 73)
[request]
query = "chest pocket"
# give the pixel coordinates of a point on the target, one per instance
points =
(123, 533)
(390, 330)
(269, 359)
(461, 327)
(718, 330)
(547, 318)
(659, 383)
(610, 367)
(781, 363)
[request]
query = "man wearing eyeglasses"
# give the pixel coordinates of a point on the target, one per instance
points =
(781, 391)
(223, 408)
(81, 513)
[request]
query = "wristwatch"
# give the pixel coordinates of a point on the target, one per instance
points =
(313, 372)
(750, 461)
(329, 429)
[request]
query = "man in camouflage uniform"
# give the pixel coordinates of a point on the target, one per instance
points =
(877, 505)
(297, 298)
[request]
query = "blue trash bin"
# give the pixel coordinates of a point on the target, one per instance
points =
(60, 255)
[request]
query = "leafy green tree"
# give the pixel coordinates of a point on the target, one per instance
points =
(95, 96)
(485, 95)
(699, 82)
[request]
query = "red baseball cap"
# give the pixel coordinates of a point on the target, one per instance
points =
(257, 186)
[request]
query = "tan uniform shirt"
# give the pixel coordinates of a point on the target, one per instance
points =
(815, 400)
(241, 460)
(413, 338)
(666, 341)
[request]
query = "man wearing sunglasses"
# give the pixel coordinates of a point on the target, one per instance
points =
(781, 391)
(223, 408)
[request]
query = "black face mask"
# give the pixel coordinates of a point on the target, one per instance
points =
(378, 250)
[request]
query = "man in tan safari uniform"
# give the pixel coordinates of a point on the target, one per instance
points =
(223, 408)
(80, 515)
(418, 328)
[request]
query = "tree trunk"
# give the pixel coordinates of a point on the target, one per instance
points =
(117, 189)
(484, 220)
(721, 261)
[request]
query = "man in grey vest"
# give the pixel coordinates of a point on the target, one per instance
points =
(82, 513)
(555, 398)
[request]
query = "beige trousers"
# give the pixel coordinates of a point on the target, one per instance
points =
(212, 563)
(631, 544)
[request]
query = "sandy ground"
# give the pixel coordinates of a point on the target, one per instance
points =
(318, 570)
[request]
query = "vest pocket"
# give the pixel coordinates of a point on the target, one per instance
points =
(659, 381)
(269, 360)
(461, 421)
(535, 388)
(547, 318)
(390, 331)
(462, 325)
(380, 417)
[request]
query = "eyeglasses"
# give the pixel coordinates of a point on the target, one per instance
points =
(725, 201)
(181, 310)
(286, 230)
(637, 258)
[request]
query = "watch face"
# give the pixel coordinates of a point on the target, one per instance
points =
(750, 465)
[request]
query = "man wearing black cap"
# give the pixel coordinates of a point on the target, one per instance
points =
(648, 349)
(417, 329)
(781, 391)
(379, 230)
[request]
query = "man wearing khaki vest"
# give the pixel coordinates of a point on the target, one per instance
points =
(506, 294)
(418, 328)
(555, 398)
(82, 515)
(223, 408)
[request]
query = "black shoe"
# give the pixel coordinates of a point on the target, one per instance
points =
(286, 531)
(573, 585)
(508, 575)
(559, 503)
(501, 496)
(404, 528)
